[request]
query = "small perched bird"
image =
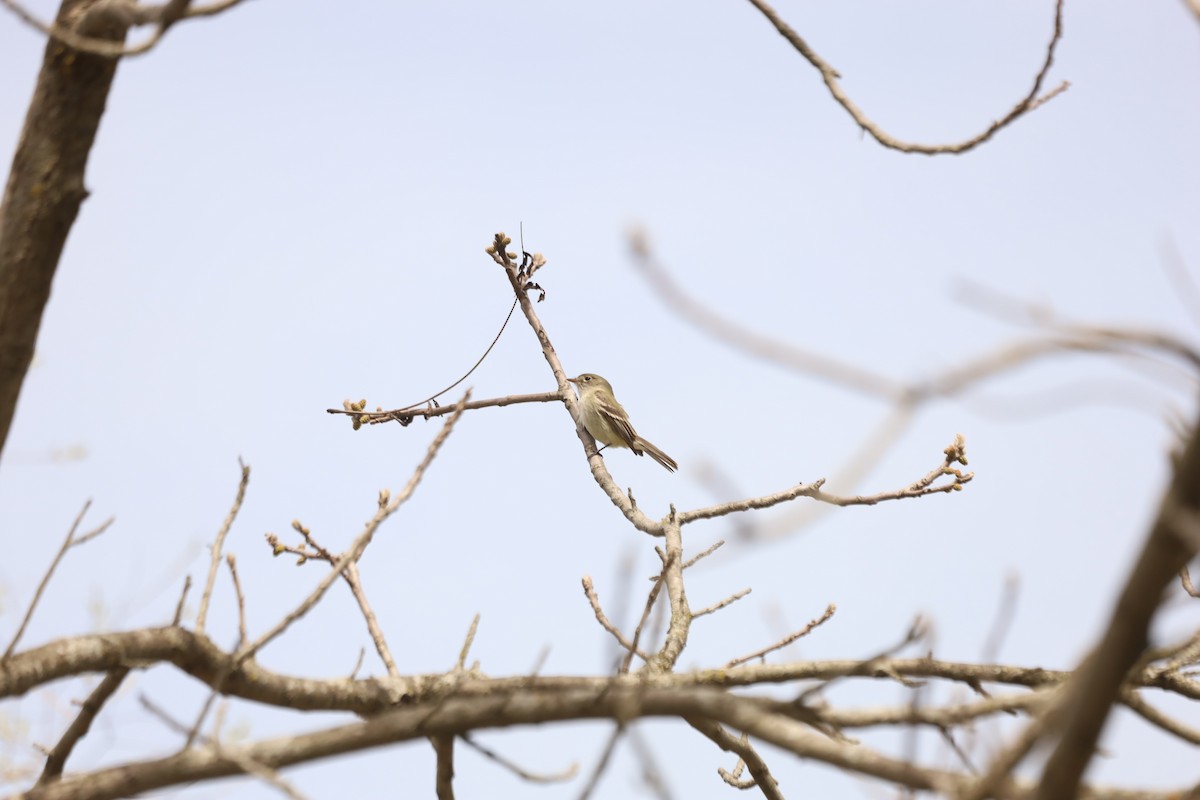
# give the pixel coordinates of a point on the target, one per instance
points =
(607, 421)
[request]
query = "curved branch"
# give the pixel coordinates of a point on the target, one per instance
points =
(830, 76)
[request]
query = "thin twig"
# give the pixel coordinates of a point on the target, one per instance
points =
(785, 641)
(1002, 766)
(241, 598)
(246, 764)
(813, 490)
(62, 551)
(312, 550)
(218, 544)
(461, 664)
(963, 756)
(1185, 578)
(386, 507)
(652, 774)
(1178, 656)
(718, 606)
(602, 763)
(876, 664)
(533, 777)
(406, 415)
(361, 542)
(589, 591)
(1138, 705)
(354, 578)
(747, 757)
(651, 599)
(362, 654)
(703, 554)
(187, 586)
(80, 726)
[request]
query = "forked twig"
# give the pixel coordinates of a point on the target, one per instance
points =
(67, 544)
(360, 543)
(219, 544)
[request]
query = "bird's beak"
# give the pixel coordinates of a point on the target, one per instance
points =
(573, 380)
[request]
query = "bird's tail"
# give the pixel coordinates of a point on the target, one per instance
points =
(656, 454)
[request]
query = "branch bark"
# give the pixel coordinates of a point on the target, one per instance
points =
(1172, 542)
(45, 189)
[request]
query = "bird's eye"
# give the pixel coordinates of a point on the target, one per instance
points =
(587, 378)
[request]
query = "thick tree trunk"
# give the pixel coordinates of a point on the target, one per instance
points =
(45, 187)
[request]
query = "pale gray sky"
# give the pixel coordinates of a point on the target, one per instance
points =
(289, 207)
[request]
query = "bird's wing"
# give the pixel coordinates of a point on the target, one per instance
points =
(619, 420)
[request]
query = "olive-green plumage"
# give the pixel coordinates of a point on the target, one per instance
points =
(607, 422)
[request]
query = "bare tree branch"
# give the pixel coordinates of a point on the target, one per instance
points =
(406, 415)
(127, 12)
(44, 192)
(521, 285)
(830, 76)
(218, 544)
(354, 578)
(187, 586)
(312, 549)
(464, 651)
(57, 759)
(386, 509)
(444, 774)
(244, 763)
(733, 598)
(533, 777)
(1172, 542)
(67, 544)
(923, 487)
(241, 598)
(589, 590)
(785, 641)
(681, 616)
(1185, 579)
(610, 746)
(455, 715)
(747, 755)
(199, 657)
(651, 599)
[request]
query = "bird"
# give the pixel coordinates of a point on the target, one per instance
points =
(608, 423)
